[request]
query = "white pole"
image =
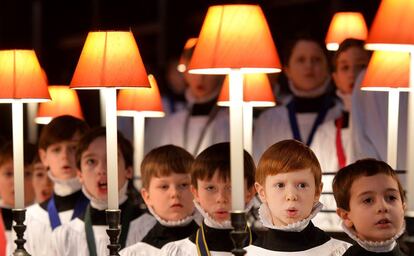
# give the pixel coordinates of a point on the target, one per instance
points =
(248, 127)
(410, 141)
(393, 105)
(18, 155)
(102, 104)
(111, 148)
(32, 127)
(139, 136)
(236, 140)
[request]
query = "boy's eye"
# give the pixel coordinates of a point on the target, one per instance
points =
(302, 185)
(163, 187)
(184, 186)
(55, 149)
(368, 200)
(90, 161)
(279, 185)
(39, 174)
(391, 198)
(210, 188)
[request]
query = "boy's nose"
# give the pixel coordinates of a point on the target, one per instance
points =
(382, 206)
(291, 195)
(222, 197)
(174, 192)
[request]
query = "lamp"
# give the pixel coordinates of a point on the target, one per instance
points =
(110, 60)
(235, 39)
(64, 101)
(21, 81)
(345, 25)
(140, 103)
(389, 71)
(257, 92)
(392, 30)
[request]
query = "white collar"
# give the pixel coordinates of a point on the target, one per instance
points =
(103, 204)
(266, 219)
(65, 187)
(373, 246)
(174, 223)
(212, 223)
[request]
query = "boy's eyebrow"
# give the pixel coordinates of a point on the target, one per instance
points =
(370, 191)
(88, 154)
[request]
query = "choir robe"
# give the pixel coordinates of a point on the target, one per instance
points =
(39, 231)
(357, 250)
(70, 239)
(218, 242)
(151, 235)
(308, 242)
(10, 235)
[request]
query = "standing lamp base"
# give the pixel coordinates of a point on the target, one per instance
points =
(19, 215)
(239, 234)
(113, 218)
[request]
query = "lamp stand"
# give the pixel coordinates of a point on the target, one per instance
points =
(239, 234)
(113, 218)
(19, 228)
(393, 106)
(139, 138)
(410, 141)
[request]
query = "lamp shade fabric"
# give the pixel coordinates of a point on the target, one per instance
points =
(21, 77)
(144, 100)
(257, 91)
(387, 70)
(345, 25)
(392, 28)
(110, 59)
(234, 37)
(64, 101)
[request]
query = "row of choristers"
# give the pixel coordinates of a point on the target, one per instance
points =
(188, 200)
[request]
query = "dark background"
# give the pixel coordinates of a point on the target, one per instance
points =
(57, 29)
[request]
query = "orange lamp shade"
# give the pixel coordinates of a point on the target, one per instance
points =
(345, 25)
(21, 77)
(257, 91)
(234, 37)
(392, 28)
(110, 59)
(387, 70)
(186, 54)
(144, 100)
(64, 101)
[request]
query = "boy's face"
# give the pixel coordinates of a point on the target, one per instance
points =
(307, 67)
(349, 64)
(170, 196)
(7, 184)
(93, 173)
(376, 209)
(60, 158)
(214, 196)
(43, 186)
(290, 196)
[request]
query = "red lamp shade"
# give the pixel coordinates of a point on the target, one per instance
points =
(345, 25)
(235, 37)
(65, 101)
(392, 28)
(387, 70)
(257, 91)
(21, 77)
(186, 54)
(144, 100)
(110, 59)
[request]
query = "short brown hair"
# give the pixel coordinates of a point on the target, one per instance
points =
(163, 161)
(60, 129)
(287, 156)
(6, 153)
(217, 158)
(346, 176)
(123, 145)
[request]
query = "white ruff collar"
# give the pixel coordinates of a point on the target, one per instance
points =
(266, 219)
(173, 223)
(103, 204)
(373, 246)
(212, 223)
(65, 187)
